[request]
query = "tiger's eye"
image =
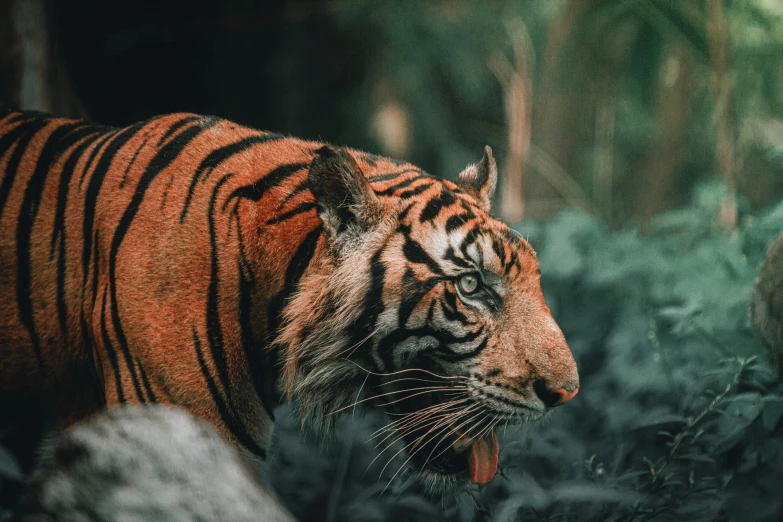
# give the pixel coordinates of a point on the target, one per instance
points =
(468, 283)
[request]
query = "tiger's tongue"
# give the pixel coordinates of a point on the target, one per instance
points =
(483, 458)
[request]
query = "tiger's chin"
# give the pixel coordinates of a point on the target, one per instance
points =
(455, 462)
(451, 442)
(449, 451)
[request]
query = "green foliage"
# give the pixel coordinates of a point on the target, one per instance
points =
(646, 65)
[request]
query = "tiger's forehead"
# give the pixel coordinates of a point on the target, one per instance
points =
(451, 228)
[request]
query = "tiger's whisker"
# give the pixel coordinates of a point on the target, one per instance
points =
(439, 442)
(446, 377)
(408, 379)
(421, 414)
(426, 389)
(434, 427)
(356, 346)
(416, 423)
(455, 429)
(442, 424)
(436, 422)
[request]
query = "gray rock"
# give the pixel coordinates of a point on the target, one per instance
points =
(766, 305)
(145, 463)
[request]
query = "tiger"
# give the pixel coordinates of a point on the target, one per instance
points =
(191, 261)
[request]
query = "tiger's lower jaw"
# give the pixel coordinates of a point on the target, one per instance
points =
(456, 463)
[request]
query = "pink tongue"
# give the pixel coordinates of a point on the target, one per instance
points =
(483, 460)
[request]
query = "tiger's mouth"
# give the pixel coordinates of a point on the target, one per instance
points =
(450, 437)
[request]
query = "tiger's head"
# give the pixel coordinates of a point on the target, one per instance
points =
(423, 303)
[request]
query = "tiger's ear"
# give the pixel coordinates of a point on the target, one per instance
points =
(480, 180)
(344, 197)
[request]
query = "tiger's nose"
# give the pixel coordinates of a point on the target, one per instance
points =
(553, 397)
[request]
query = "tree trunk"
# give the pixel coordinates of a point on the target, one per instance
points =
(724, 145)
(32, 71)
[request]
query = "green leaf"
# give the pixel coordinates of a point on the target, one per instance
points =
(772, 412)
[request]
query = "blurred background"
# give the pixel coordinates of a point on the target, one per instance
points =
(641, 152)
(614, 107)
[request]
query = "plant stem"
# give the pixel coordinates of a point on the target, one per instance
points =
(691, 423)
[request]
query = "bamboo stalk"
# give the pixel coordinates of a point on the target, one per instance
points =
(724, 144)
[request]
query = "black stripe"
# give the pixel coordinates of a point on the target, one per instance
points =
(133, 161)
(150, 394)
(9, 116)
(449, 307)
(430, 311)
(259, 361)
(468, 240)
(452, 356)
(407, 182)
(173, 128)
(26, 115)
(298, 189)
(110, 353)
(415, 253)
(24, 133)
(401, 217)
(415, 191)
(214, 329)
(457, 220)
(299, 209)
(98, 388)
(94, 154)
(96, 260)
(262, 360)
(270, 180)
(378, 178)
(430, 210)
(387, 344)
(448, 337)
(108, 346)
(55, 144)
(166, 192)
(435, 205)
(296, 268)
(59, 234)
(457, 260)
(372, 303)
(62, 193)
(218, 156)
(514, 262)
(94, 186)
(497, 247)
(413, 291)
(164, 157)
(228, 419)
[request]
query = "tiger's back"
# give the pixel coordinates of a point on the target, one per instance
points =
(121, 247)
